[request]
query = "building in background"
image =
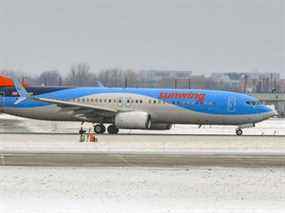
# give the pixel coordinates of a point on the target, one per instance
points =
(162, 78)
(248, 82)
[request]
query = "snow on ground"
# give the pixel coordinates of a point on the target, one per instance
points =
(194, 189)
(153, 190)
(144, 143)
(8, 123)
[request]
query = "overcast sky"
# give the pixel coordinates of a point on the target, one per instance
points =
(199, 35)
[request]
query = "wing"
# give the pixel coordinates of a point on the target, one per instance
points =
(80, 110)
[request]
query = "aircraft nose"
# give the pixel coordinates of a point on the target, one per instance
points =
(270, 111)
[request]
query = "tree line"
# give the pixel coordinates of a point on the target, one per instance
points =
(78, 75)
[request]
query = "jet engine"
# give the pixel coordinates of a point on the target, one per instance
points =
(133, 120)
(160, 126)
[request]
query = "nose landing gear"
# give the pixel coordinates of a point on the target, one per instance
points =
(239, 132)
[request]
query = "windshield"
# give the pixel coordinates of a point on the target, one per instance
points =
(254, 103)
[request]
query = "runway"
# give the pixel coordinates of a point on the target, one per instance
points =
(142, 150)
(141, 159)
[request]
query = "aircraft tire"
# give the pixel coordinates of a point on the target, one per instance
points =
(99, 129)
(112, 129)
(239, 132)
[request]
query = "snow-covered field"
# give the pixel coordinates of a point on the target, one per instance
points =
(132, 189)
(33, 190)
(10, 123)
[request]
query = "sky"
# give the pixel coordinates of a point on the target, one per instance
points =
(203, 36)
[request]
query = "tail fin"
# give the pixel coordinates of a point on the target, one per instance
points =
(21, 91)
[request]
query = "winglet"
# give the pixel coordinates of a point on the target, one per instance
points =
(20, 90)
(100, 84)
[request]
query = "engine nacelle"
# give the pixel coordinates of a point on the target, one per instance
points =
(133, 120)
(160, 126)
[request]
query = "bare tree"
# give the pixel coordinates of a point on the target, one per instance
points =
(80, 75)
(118, 78)
(12, 73)
(131, 78)
(50, 78)
(23, 77)
(111, 77)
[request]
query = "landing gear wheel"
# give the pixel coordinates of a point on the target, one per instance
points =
(239, 132)
(112, 129)
(99, 129)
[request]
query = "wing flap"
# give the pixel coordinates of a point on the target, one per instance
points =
(64, 104)
(82, 111)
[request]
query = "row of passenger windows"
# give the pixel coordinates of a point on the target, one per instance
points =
(95, 100)
(106, 100)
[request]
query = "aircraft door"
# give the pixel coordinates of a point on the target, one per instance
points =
(232, 102)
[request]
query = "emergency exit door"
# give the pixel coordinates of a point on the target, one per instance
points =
(232, 102)
(125, 102)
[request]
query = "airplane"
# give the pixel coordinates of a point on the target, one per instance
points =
(136, 108)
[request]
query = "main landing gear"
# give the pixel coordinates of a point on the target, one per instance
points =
(239, 131)
(100, 129)
(112, 129)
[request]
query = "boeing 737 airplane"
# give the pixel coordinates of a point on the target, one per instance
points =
(135, 108)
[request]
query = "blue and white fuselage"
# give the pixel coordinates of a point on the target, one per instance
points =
(140, 108)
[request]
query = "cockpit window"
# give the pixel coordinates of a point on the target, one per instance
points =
(253, 103)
